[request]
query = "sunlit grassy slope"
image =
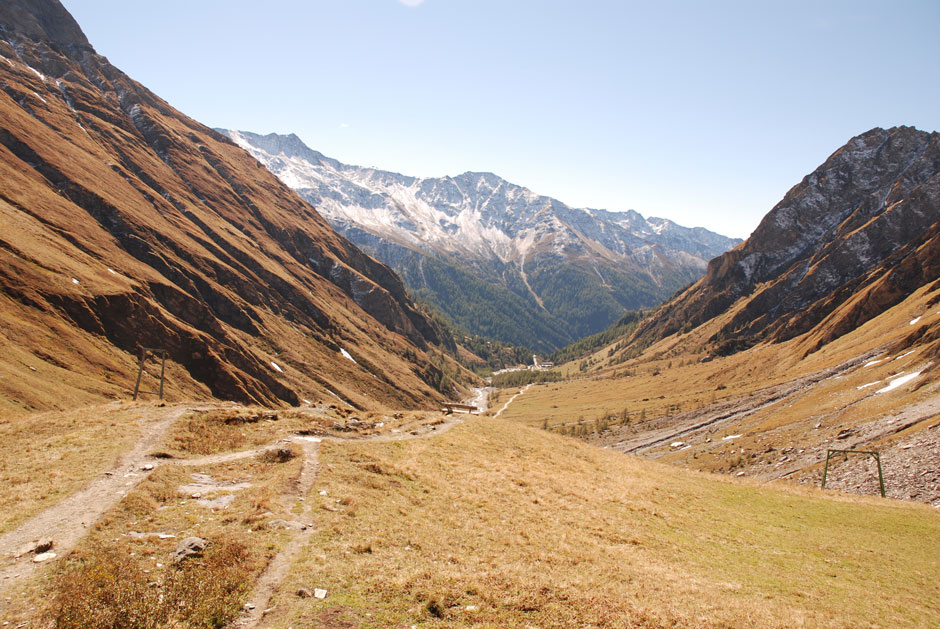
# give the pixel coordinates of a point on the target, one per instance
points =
(498, 524)
(777, 396)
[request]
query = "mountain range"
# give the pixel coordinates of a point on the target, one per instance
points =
(336, 493)
(498, 259)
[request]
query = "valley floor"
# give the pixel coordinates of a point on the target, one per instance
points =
(321, 517)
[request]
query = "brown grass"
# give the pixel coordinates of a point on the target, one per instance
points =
(108, 585)
(663, 383)
(222, 430)
(123, 574)
(50, 455)
(493, 524)
(217, 431)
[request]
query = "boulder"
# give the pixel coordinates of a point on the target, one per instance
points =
(189, 547)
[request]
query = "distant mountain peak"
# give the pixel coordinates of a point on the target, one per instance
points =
(575, 270)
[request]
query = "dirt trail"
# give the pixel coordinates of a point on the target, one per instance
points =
(270, 581)
(729, 412)
(511, 400)
(67, 521)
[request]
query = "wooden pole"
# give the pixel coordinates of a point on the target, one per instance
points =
(140, 372)
(162, 371)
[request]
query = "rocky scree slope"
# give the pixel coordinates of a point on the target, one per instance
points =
(497, 258)
(127, 224)
(855, 237)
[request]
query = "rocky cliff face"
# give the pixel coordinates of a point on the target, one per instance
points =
(127, 224)
(864, 222)
(498, 258)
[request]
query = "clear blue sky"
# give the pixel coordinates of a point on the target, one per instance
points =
(702, 112)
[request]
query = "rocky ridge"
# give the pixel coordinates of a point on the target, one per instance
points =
(855, 237)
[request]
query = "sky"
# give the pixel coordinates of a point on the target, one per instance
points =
(705, 113)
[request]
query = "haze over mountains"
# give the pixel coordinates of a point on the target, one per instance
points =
(497, 258)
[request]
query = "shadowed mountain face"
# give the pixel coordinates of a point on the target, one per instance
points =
(855, 237)
(500, 260)
(127, 224)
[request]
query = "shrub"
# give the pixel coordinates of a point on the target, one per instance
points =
(107, 587)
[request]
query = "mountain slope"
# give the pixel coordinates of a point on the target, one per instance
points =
(127, 224)
(497, 258)
(855, 237)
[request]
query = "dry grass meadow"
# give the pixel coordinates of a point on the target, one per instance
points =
(122, 573)
(496, 524)
(50, 455)
(783, 395)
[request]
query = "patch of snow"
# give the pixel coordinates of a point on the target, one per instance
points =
(726, 438)
(306, 401)
(75, 281)
(657, 224)
(870, 384)
(898, 381)
(914, 320)
(872, 363)
(277, 367)
(904, 355)
(111, 271)
(38, 73)
(676, 444)
(347, 354)
(748, 264)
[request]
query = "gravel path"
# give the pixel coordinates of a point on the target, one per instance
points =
(67, 521)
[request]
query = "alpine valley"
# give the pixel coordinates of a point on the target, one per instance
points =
(500, 260)
(307, 458)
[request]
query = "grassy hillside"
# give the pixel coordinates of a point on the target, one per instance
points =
(769, 412)
(496, 524)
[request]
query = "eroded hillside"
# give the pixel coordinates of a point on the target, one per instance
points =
(127, 225)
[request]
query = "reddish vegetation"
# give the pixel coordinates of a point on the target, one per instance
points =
(127, 224)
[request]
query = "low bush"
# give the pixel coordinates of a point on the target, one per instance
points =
(110, 587)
